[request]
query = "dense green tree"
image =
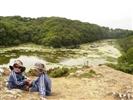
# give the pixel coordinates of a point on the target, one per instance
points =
(126, 42)
(125, 62)
(53, 31)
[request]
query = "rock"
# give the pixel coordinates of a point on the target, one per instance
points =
(8, 97)
(18, 95)
(14, 91)
(71, 75)
(126, 95)
(78, 72)
(4, 71)
(100, 64)
(33, 98)
(13, 94)
(1, 71)
(120, 95)
(129, 96)
(86, 66)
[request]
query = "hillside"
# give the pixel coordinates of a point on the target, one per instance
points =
(108, 84)
(126, 43)
(53, 31)
(125, 62)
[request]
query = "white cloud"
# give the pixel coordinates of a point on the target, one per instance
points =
(112, 13)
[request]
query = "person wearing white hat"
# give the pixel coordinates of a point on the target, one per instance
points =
(16, 77)
(43, 83)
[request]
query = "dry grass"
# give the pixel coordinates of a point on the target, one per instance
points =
(96, 88)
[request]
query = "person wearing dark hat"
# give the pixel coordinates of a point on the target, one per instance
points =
(16, 78)
(43, 83)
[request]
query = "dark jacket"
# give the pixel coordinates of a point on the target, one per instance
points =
(16, 80)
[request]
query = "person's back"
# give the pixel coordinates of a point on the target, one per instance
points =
(43, 83)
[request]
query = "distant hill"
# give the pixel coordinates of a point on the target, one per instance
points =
(53, 31)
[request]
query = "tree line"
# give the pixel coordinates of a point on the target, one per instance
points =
(53, 31)
(125, 62)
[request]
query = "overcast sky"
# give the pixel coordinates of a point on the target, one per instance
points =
(111, 13)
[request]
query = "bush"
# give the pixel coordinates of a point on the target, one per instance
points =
(111, 65)
(122, 67)
(59, 72)
(73, 70)
(89, 74)
(125, 62)
(56, 72)
(126, 68)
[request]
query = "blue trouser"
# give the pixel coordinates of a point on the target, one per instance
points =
(35, 88)
(42, 85)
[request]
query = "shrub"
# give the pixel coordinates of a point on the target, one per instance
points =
(59, 72)
(89, 74)
(73, 70)
(111, 65)
(122, 67)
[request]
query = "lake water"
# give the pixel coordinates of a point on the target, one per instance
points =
(30, 54)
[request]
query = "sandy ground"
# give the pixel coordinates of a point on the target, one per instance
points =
(96, 88)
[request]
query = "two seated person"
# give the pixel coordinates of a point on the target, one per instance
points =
(17, 80)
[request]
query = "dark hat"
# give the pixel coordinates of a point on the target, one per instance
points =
(18, 63)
